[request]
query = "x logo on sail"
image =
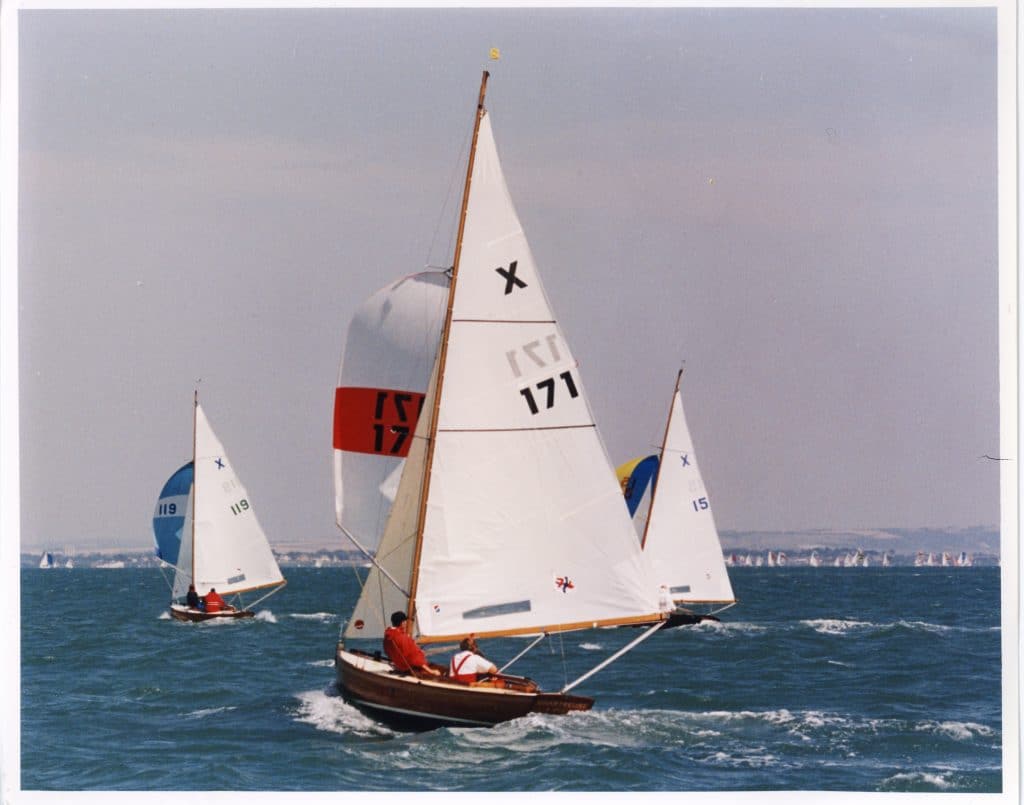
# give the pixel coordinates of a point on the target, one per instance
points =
(511, 280)
(220, 464)
(686, 460)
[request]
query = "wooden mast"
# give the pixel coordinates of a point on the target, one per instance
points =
(195, 477)
(442, 359)
(661, 458)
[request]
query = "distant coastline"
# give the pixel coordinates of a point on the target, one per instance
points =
(901, 545)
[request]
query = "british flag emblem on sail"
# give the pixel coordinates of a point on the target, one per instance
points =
(564, 583)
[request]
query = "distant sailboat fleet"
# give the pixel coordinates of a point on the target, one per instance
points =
(847, 558)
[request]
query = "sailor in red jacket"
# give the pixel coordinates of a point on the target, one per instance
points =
(402, 650)
(214, 603)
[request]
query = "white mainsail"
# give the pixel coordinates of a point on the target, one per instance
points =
(681, 538)
(228, 549)
(390, 349)
(523, 529)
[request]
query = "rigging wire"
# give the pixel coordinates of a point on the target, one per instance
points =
(454, 176)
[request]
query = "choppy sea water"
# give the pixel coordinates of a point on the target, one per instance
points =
(858, 679)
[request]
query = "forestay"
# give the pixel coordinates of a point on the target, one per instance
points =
(523, 529)
(681, 538)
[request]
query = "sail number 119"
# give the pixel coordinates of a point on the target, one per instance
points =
(241, 506)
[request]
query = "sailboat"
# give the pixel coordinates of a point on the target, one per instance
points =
(679, 534)
(46, 561)
(506, 494)
(205, 528)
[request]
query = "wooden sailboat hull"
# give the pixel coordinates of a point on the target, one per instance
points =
(182, 613)
(407, 702)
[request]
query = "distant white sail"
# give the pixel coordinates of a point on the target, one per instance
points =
(681, 539)
(227, 549)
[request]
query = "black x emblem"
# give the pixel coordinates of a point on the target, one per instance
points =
(686, 460)
(511, 280)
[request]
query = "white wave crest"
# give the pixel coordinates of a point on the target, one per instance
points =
(210, 711)
(958, 730)
(899, 781)
(331, 713)
(841, 626)
(837, 626)
(935, 628)
(322, 663)
(756, 758)
(266, 616)
(164, 616)
(728, 627)
(323, 617)
(591, 646)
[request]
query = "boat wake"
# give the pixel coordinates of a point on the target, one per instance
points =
(266, 616)
(726, 628)
(839, 626)
(326, 711)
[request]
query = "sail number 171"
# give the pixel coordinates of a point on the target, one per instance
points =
(549, 387)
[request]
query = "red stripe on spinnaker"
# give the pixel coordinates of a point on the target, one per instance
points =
(375, 421)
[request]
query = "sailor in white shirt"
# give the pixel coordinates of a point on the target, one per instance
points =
(466, 664)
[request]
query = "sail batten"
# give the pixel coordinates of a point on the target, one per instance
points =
(514, 430)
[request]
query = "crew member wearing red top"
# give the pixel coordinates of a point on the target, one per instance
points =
(402, 650)
(214, 603)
